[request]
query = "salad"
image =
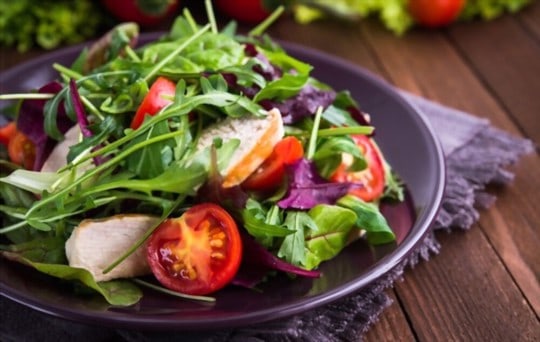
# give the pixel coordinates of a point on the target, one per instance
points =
(200, 160)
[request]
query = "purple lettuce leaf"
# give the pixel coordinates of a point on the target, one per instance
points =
(307, 188)
(257, 262)
(82, 119)
(269, 71)
(232, 83)
(303, 105)
(30, 122)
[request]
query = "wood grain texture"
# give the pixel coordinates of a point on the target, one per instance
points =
(506, 59)
(428, 63)
(465, 294)
(530, 18)
(392, 326)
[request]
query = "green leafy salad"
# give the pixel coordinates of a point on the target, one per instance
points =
(199, 160)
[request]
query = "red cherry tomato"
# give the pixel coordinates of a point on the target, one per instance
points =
(154, 101)
(197, 253)
(143, 12)
(22, 150)
(435, 13)
(270, 174)
(372, 178)
(7, 133)
(247, 11)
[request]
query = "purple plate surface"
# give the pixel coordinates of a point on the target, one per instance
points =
(407, 142)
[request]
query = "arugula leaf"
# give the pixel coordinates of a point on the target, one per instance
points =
(292, 248)
(285, 61)
(256, 225)
(46, 250)
(328, 155)
(369, 218)
(334, 226)
(338, 116)
(152, 160)
(285, 87)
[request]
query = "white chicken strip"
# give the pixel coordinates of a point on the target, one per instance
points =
(58, 157)
(95, 244)
(257, 136)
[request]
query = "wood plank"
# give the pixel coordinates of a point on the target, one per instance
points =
(425, 61)
(348, 45)
(466, 286)
(530, 18)
(507, 59)
(512, 228)
(392, 325)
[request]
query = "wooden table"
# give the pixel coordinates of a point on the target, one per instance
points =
(483, 286)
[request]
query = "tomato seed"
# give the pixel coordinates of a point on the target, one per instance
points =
(217, 255)
(216, 243)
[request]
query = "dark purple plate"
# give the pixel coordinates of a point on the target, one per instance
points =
(407, 142)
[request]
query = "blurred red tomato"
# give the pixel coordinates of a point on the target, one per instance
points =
(435, 13)
(143, 12)
(248, 11)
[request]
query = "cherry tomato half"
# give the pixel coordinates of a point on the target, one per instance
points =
(146, 13)
(197, 253)
(154, 100)
(270, 174)
(248, 11)
(22, 150)
(7, 132)
(435, 13)
(372, 178)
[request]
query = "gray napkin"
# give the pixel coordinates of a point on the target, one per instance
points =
(476, 154)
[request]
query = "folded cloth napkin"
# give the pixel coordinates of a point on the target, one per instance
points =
(476, 154)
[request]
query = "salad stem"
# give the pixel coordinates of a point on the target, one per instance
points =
(96, 170)
(192, 23)
(181, 47)
(132, 54)
(13, 227)
(314, 133)
(92, 108)
(26, 96)
(146, 235)
(211, 16)
(327, 132)
(173, 293)
(259, 29)
(67, 72)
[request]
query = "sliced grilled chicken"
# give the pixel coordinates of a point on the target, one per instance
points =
(95, 244)
(257, 139)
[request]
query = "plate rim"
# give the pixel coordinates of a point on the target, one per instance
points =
(374, 272)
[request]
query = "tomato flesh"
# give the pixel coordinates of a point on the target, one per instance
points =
(7, 132)
(22, 151)
(270, 174)
(130, 10)
(248, 11)
(197, 253)
(371, 179)
(155, 100)
(435, 13)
